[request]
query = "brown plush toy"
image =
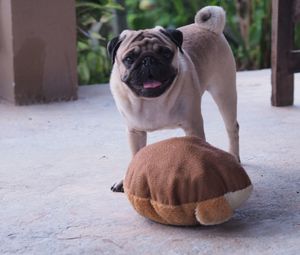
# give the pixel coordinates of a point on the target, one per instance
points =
(186, 181)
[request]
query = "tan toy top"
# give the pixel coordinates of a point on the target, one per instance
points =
(181, 171)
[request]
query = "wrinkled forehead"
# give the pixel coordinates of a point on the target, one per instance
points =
(143, 40)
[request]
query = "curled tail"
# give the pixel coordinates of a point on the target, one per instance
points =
(212, 18)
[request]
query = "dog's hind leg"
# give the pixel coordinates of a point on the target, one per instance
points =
(226, 100)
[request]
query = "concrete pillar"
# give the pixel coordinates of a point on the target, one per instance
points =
(38, 61)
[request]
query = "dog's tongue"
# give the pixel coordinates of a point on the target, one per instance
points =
(151, 84)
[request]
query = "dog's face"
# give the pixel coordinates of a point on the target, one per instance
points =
(147, 59)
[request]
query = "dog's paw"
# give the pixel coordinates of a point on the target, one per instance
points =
(118, 187)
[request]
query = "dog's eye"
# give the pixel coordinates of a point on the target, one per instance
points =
(128, 60)
(167, 53)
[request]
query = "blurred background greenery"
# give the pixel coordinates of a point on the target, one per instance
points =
(248, 29)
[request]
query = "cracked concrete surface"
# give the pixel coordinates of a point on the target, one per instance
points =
(58, 161)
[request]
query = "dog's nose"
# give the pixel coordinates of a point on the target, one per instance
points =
(148, 61)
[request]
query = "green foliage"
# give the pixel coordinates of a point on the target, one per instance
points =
(93, 64)
(248, 29)
(251, 47)
(148, 13)
(297, 36)
(93, 18)
(254, 47)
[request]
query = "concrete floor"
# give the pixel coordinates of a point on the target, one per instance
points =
(58, 161)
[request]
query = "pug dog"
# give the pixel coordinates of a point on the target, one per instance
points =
(159, 76)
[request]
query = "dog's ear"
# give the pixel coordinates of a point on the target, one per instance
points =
(175, 36)
(112, 48)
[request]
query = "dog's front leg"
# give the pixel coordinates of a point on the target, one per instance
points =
(137, 140)
(195, 127)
